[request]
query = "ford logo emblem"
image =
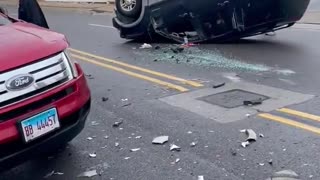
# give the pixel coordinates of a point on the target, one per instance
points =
(19, 82)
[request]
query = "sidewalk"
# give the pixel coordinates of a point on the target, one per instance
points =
(312, 17)
(101, 7)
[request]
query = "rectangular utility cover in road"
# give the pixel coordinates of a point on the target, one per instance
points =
(274, 98)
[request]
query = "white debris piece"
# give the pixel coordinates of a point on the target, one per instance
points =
(106, 137)
(174, 147)
(245, 144)
(92, 155)
(89, 138)
(94, 123)
(189, 132)
(243, 130)
(48, 175)
(179, 169)
(138, 137)
(103, 147)
(160, 140)
(126, 158)
(200, 178)
(252, 136)
(88, 174)
(134, 150)
(261, 164)
(116, 144)
(193, 144)
(145, 46)
(261, 135)
(124, 100)
(177, 160)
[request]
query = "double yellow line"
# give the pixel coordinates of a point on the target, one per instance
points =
(110, 64)
(299, 114)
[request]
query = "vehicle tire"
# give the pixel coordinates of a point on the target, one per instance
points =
(129, 8)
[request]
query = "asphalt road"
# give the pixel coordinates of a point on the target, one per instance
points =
(283, 67)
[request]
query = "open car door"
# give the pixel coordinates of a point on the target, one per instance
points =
(30, 11)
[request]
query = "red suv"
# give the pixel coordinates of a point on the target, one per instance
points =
(44, 96)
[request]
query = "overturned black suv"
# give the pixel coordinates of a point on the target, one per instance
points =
(203, 20)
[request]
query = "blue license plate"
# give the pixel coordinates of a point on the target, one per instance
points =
(40, 124)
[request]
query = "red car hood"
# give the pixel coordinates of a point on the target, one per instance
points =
(22, 43)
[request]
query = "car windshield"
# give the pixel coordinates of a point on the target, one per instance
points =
(4, 20)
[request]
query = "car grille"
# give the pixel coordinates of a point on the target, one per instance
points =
(48, 73)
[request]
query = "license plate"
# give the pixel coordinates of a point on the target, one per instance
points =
(40, 124)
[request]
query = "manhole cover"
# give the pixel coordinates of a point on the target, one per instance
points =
(233, 98)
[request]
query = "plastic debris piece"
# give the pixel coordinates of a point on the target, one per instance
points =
(160, 140)
(177, 160)
(189, 132)
(285, 174)
(245, 144)
(218, 85)
(120, 129)
(252, 102)
(200, 178)
(261, 164)
(261, 135)
(134, 150)
(117, 124)
(125, 105)
(211, 131)
(243, 130)
(248, 115)
(174, 147)
(89, 138)
(103, 147)
(106, 137)
(145, 46)
(270, 162)
(92, 155)
(88, 174)
(116, 144)
(124, 100)
(48, 175)
(94, 123)
(193, 144)
(179, 169)
(126, 158)
(104, 99)
(138, 137)
(58, 173)
(252, 136)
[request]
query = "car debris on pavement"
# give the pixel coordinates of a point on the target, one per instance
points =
(160, 140)
(52, 173)
(88, 174)
(200, 177)
(92, 155)
(252, 102)
(145, 46)
(193, 144)
(174, 147)
(117, 124)
(134, 150)
(218, 85)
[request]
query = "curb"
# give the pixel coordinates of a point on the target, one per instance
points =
(101, 7)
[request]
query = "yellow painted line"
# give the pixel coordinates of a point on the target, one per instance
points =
(184, 81)
(136, 75)
(300, 114)
(290, 122)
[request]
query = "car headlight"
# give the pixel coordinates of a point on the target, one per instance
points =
(71, 63)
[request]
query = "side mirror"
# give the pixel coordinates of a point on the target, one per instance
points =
(31, 12)
(3, 11)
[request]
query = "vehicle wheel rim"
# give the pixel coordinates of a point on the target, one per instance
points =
(128, 5)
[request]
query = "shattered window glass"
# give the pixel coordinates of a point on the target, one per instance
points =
(4, 20)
